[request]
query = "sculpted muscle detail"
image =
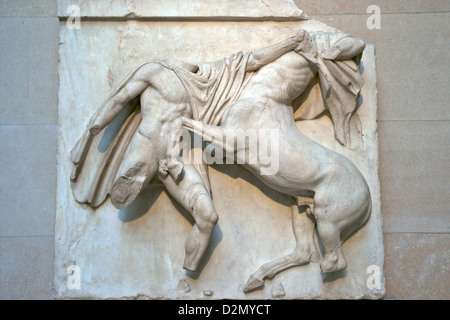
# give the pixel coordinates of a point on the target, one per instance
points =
(252, 91)
(270, 80)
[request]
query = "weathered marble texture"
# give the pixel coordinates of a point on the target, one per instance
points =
(140, 250)
(230, 9)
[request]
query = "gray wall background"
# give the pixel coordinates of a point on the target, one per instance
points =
(414, 135)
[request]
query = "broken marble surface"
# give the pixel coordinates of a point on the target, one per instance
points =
(230, 9)
(138, 251)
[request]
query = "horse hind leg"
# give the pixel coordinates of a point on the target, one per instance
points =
(330, 238)
(334, 231)
(305, 251)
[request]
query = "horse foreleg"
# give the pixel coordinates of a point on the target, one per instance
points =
(209, 133)
(304, 252)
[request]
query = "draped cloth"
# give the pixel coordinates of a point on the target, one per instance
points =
(339, 84)
(211, 89)
(214, 86)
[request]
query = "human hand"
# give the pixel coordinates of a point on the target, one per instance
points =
(300, 36)
(304, 41)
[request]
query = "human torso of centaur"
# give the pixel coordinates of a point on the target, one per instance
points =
(282, 80)
(272, 89)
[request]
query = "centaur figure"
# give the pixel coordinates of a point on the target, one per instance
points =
(245, 91)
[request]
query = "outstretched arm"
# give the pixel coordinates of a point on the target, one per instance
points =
(269, 54)
(106, 114)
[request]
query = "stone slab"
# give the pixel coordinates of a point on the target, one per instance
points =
(415, 176)
(330, 20)
(29, 69)
(27, 8)
(28, 180)
(26, 269)
(360, 6)
(417, 266)
(139, 251)
(230, 9)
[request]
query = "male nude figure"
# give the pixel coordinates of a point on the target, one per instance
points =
(163, 103)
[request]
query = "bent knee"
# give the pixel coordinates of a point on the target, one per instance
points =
(203, 211)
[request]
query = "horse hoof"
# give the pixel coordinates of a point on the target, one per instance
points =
(253, 284)
(328, 267)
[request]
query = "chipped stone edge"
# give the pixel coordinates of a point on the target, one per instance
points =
(380, 293)
(278, 10)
